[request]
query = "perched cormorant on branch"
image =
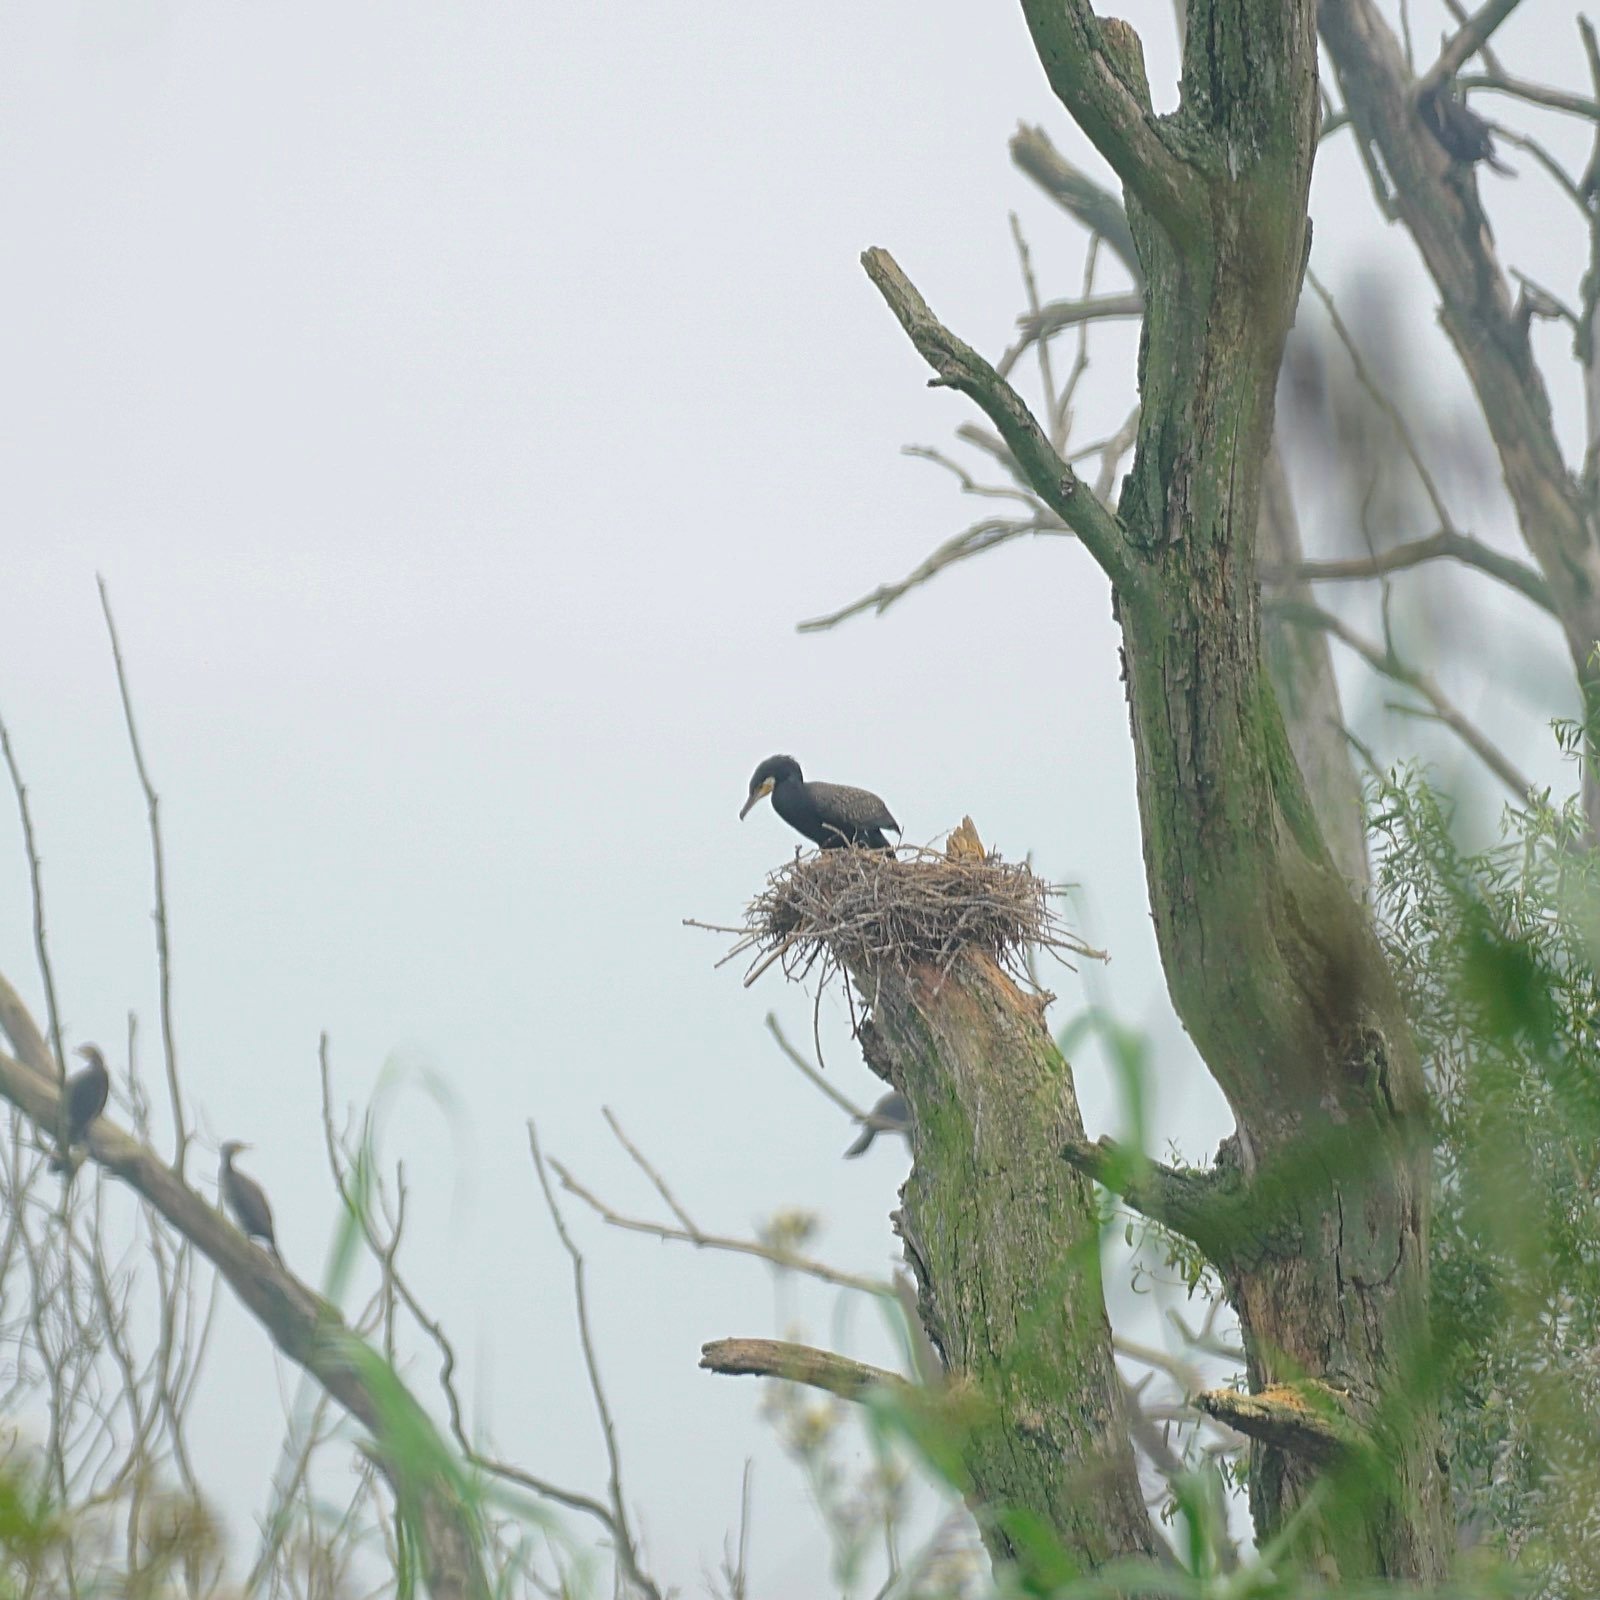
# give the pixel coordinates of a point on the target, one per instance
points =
(1462, 132)
(829, 814)
(246, 1200)
(85, 1095)
(890, 1115)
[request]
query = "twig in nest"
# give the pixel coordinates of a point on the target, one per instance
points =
(838, 910)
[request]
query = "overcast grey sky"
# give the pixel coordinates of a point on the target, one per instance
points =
(463, 403)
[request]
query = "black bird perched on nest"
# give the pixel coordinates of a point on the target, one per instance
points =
(246, 1200)
(1464, 135)
(85, 1095)
(831, 815)
(890, 1115)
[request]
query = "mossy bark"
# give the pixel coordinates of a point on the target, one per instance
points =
(1005, 1245)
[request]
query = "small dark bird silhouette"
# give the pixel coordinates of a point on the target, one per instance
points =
(831, 815)
(890, 1115)
(246, 1201)
(1463, 134)
(85, 1094)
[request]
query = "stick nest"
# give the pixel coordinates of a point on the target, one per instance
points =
(861, 909)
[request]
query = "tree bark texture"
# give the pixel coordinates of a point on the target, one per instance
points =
(1007, 1255)
(1270, 958)
(1299, 660)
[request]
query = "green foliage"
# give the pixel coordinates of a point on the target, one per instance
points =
(1496, 951)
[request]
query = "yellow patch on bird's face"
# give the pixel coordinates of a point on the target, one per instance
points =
(755, 795)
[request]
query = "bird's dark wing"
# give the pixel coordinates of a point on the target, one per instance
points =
(890, 1115)
(86, 1098)
(858, 807)
(249, 1202)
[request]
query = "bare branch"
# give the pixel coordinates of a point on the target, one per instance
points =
(627, 1548)
(976, 540)
(960, 367)
(1461, 14)
(1447, 543)
(801, 1065)
(1533, 94)
(1097, 208)
(1113, 111)
(797, 1363)
(1468, 41)
(1423, 683)
(27, 1047)
(1030, 288)
(1380, 398)
(776, 1255)
(658, 1183)
(163, 948)
(1042, 325)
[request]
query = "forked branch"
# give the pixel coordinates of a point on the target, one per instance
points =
(960, 367)
(1114, 112)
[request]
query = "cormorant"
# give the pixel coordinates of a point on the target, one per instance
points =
(85, 1094)
(1464, 135)
(890, 1115)
(246, 1200)
(829, 814)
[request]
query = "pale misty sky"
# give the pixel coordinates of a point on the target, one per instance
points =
(463, 403)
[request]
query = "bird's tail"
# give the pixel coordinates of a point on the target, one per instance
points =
(863, 1142)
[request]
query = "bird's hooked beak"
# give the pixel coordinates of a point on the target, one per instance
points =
(755, 795)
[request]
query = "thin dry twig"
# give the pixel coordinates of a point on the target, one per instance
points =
(1390, 410)
(36, 885)
(1390, 665)
(777, 1255)
(801, 1065)
(163, 945)
(1534, 94)
(657, 1181)
(1444, 544)
(1041, 323)
(627, 1547)
(976, 540)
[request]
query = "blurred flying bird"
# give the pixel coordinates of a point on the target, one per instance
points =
(890, 1115)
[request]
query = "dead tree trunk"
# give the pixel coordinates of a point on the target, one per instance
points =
(1007, 1254)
